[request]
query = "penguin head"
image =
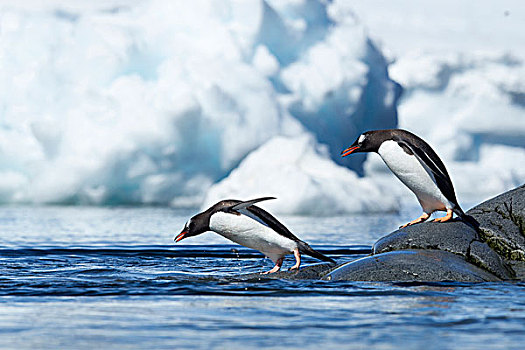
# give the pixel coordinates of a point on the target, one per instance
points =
(198, 224)
(366, 142)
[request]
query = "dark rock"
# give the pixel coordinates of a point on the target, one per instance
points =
(454, 237)
(481, 255)
(502, 223)
(519, 268)
(411, 265)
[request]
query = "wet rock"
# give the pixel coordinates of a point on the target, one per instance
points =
(480, 254)
(519, 268)
(411, 265)
(502, 223)
(454, 237)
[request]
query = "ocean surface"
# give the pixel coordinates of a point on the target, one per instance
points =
(112, 278)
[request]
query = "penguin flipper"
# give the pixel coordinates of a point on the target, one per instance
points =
(436, 168)
(306, 249)
(246, 204)
(269, 220)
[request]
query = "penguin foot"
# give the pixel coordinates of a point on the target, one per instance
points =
(445, 218)
(420, 219)
(276, 268)
(297, 256)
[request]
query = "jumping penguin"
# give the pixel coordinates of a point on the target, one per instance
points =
(246, 224)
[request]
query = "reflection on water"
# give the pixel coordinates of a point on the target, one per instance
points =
(432, 301)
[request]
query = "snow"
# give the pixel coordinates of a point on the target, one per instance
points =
(181, 103)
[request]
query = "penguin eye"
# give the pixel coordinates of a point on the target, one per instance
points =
(361, 139)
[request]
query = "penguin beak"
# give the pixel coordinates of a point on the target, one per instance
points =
(349, 150)
(180, 236)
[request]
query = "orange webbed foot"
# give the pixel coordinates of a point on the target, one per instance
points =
(446, 217)
(276, 268)
(420, 219)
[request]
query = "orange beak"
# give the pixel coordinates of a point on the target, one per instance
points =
(348, 151)
(180, 236)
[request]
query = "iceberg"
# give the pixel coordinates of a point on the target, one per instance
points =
(179, 103)
(154, 102)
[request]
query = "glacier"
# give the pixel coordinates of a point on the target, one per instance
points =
(184, 103)
(153, 102)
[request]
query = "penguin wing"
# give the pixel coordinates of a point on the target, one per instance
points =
(263, 217)
(260, 215)
(246, 204)
(434, 166)
(241, 208)
(267, 219)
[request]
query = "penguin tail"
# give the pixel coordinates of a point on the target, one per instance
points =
(466, 218)
(306, 249)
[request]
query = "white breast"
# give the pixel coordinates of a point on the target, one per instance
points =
(414, 175)
(252, 234)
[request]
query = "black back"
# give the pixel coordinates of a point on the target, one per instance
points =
(272, 222)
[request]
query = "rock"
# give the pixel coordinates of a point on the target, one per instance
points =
(411, 265)
(519, 268)
(502, 223)
(455, 237)
(482, 256)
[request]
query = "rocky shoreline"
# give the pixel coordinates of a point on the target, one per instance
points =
(451, 251)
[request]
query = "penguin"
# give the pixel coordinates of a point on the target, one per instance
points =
(246, 224)
(416, 164)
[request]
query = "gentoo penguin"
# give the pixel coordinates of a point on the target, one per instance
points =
(416, 164)
(246, 224)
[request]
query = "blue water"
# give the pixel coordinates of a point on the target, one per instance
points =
(108, 278)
